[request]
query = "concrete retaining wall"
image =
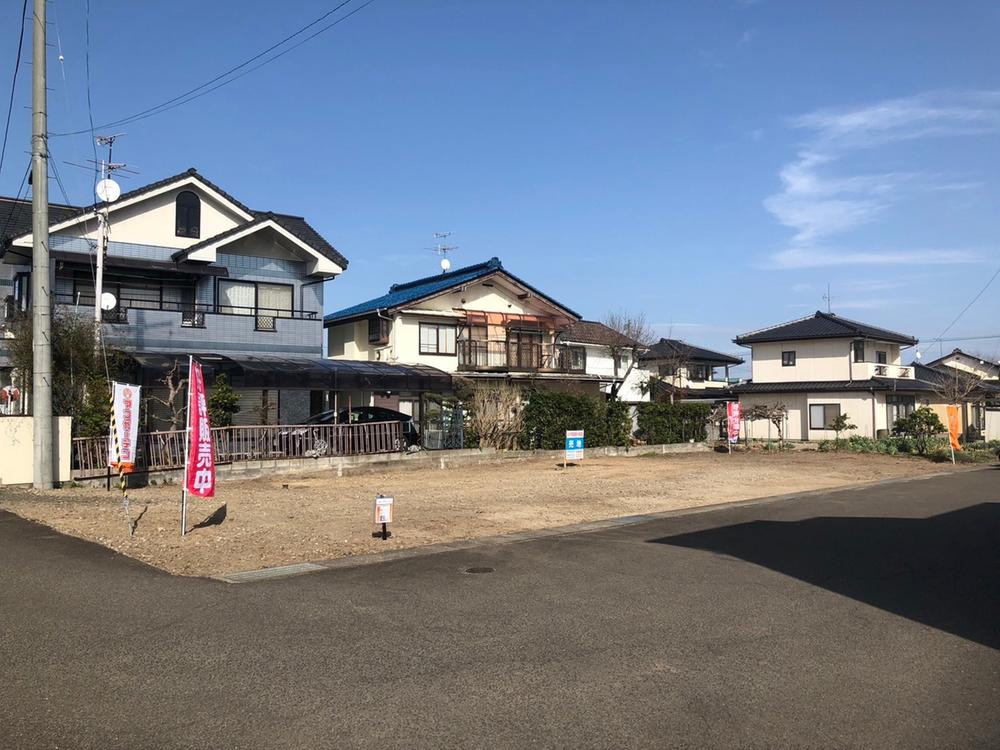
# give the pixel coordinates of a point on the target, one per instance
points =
(405, 461)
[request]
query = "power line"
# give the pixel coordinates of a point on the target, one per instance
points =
(207, 87)
(940, 336)
(13, 83)
(90, 107)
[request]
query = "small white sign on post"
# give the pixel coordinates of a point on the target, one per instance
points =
(383, 509)
(383, 514)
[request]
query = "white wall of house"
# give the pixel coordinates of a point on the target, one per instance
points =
(971, 365)
(682, 378)
(817, 360)
(152, 221)
(857, 405)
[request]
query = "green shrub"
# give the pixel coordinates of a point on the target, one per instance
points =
(922, 425)
(672, 423)
(549, 414)
(862, 444)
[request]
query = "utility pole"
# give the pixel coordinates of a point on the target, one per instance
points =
(41, 303)
(107, 190)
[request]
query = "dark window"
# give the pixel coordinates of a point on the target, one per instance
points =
(699, 372)
(188, 212)
(788, 359)
(880, 358)
(437, 338)
(577, 358)
(859, 351)
(378, 330)
(821, 416)
(668, 371)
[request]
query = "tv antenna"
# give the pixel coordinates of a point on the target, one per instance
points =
(442, 250)
(828, 298)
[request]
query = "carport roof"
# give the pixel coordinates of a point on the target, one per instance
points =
(252, 371)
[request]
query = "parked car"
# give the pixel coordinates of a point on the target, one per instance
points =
(357, 415)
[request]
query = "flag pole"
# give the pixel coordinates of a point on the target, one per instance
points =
(187, 450)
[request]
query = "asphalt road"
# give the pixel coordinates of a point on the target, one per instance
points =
(862, 618)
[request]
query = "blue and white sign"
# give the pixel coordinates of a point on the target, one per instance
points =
(574, 445)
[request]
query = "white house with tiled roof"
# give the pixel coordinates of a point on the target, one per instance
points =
(824, 365)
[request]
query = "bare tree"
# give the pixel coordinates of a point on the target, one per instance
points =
(634, 336)
(174, 405)
(497, 415)
(954, 385)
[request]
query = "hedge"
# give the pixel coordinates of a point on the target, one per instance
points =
(549, 414)
(662, 422)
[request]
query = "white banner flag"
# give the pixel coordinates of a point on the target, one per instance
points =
(124, 427)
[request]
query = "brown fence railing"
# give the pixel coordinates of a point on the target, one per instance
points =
(161, 451)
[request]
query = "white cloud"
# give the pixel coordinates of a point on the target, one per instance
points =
(817, 202)
(812, 257)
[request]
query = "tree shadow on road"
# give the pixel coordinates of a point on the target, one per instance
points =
(943, 571)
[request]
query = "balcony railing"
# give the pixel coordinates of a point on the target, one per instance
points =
(192, 313)
(506, 356)
(865, 370)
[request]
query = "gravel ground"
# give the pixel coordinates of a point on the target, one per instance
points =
(320, 516)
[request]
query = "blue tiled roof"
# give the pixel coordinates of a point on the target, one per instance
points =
(400, 295)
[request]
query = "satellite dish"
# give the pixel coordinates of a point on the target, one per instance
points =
(108, 191)
(108, 301)
(445, 264)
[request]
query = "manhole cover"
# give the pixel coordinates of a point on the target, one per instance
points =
(479, 569)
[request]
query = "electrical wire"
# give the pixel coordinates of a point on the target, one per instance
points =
(207, 87)
(13, 84)
(940, 336)
(90, 106)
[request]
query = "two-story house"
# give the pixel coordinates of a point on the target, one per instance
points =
(978, 379)
(684, 371)
(479, 322)
(608, 354)
(823, 366)
(192, 270)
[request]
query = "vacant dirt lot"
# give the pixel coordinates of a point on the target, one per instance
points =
(320, 516)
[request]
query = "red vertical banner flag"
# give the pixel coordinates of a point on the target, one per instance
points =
(954, 430)
(733, 421)
(200, 471)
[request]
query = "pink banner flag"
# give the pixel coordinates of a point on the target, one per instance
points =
(733, 421)
(200, 470)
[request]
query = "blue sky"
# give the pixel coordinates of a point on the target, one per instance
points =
(714, 164)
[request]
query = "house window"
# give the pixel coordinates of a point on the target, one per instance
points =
(880, 358)
(188, 215)
(699, 372)
(266, 302)
(788, 359)
(821, 416)
(668, 371)
(859, 351)
(437, 338)
(577, 358)
(378, 330)
(898, 406)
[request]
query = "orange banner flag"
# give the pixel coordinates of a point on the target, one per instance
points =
(953, 428)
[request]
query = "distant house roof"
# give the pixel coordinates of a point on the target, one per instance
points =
(592, 332)
(15, 217)
(823, 326)
(905, 385)
(938, 377)
(676, 349)
(988, 366)
(410, 292)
